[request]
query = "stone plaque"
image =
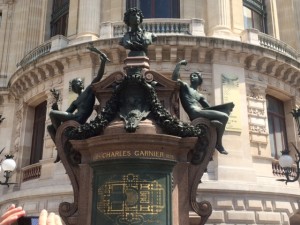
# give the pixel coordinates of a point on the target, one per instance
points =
(231, 93)
(132, 192)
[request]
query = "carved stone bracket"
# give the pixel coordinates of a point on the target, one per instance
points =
(204, 144)
(68, 210)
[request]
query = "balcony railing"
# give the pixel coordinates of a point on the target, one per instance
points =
(31, 172)
(158, 26)
(253, 36)
(278, 170)
(35, 54)
(270, 42)
(55, 43)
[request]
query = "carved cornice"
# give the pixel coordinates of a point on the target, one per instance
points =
(199, 50)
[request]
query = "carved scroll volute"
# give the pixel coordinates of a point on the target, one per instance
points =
(67, 209)
(205, 144)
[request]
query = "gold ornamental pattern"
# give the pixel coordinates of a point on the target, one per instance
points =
(128, 199)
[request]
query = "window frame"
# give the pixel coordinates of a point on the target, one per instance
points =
(258, 7)
(271, 116)
(38, 132)
(174, 13)
(59, 17)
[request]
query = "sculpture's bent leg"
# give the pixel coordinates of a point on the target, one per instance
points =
(220, 131)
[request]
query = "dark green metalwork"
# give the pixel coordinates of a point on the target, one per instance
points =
(151, 107)
(132, 191)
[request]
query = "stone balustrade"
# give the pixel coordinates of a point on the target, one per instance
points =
(31, 172)
(55, 43)
(193, 27)
(277, 45)
(253, 36)
(278, 170)
(34, 54)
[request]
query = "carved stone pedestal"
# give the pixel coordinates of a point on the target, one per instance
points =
(132, 178)
(136, 162)
(137, 62)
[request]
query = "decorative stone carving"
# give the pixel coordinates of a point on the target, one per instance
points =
(256, 92)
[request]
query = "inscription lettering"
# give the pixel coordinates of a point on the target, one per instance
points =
(149, 154)
(133, 153)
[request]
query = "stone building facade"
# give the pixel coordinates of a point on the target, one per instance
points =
(247, 50)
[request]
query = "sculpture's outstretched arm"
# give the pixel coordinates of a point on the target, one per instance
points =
(103, 58)
(176, 74)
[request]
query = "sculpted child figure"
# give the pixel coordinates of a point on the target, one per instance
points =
(83, 104)
(194, 103)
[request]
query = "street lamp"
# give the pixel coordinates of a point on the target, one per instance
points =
(8, 165)
(286, 162)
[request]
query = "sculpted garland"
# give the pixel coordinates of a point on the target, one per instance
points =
(134, 99)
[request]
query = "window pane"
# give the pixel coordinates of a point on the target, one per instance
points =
(275, 106)
(278, 135)
(162, 9)
(277, 129)
(59, 17)
(283, 143)
(247, 18)
(254, 14)
(146, 7)
(272, 137)
(38, 133)
(258, 21)
(156, 8)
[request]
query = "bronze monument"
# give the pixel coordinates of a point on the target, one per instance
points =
(136, 162)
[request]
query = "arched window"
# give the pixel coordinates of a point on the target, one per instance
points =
(254, 15)
(156, 8)
(59, 17)
(277, 128)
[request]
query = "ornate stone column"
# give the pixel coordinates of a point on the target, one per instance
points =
(89, 20)
(219, 19)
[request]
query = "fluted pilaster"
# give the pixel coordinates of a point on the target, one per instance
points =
(219, 19)
(89, 19)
